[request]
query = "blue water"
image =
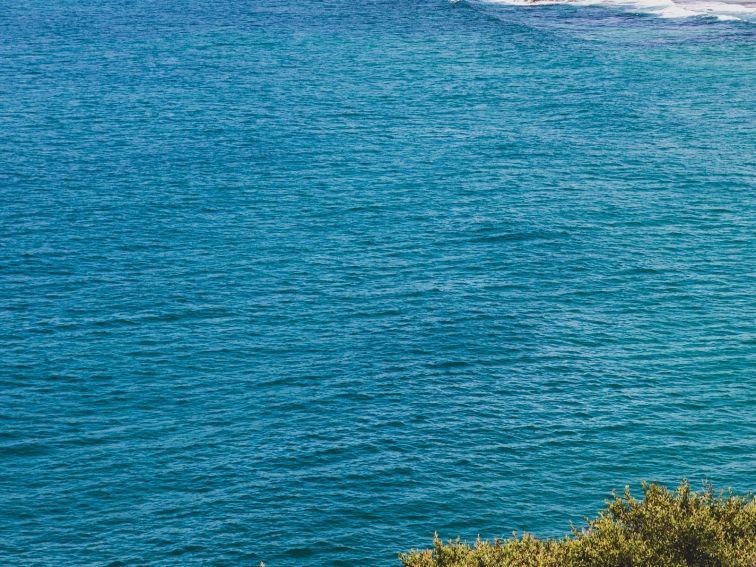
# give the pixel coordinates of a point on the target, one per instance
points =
(306, 281)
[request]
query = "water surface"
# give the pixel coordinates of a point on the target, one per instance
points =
(305, 281)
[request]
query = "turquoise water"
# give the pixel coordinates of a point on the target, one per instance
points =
(304, 282)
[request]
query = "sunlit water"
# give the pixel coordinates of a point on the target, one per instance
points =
(305, 281)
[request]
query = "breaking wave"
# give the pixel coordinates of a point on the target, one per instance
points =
(720, 9)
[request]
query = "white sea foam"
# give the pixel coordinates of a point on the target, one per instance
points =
(720, 9)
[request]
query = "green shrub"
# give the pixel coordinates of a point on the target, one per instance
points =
(664, 529)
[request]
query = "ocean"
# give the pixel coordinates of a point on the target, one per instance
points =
(306, 281)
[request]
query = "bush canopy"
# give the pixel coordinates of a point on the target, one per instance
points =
(666, 528)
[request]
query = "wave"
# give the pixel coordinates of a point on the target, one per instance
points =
(720, 9)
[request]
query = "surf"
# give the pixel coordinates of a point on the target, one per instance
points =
(718, 9)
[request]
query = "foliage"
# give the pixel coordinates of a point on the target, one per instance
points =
(664, 529)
